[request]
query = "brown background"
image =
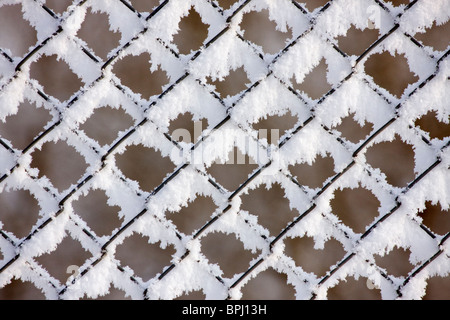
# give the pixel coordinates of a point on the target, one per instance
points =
(63, 166)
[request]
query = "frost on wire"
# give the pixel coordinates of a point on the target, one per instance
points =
(270, 91)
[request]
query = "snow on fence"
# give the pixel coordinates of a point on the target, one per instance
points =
(272, 89)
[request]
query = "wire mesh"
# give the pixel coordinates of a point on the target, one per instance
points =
(184, 170)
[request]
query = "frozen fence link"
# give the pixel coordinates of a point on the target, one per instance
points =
(147, 173)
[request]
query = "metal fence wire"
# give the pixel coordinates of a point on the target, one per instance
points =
(231, 250)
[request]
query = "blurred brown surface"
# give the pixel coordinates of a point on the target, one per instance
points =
(63, 166)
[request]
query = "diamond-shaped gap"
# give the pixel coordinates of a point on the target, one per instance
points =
(356, 41)
(192, 33)
(272, 128)
(315, 84)
(398, 3)
(58, 6)
(105, 124)
(55, 76)
(390, 72)
(235, 82)
(312, 5)
(144, 165)
(135, 73)
(226, 251)
(261, 30)
(19, 212)
(270, 206)
(356, 208)
(60, 163)
(311, 259)
(20, 290)
(194, 216)
(16, 34)
(437, 36)
(65, 260)
(94, 209)
(395, 159)
(146, 259)
(437, 129)
(25, 125)
(96, 33)
(316, 174)
(144, 5)
(396, 262)
(435, 218)
(268, 285)
(185, 129)
(351, 289)
(352, 130)
(235, 171)
(226, 4)
(438, 288)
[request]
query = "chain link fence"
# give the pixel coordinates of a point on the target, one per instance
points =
(251, 149)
